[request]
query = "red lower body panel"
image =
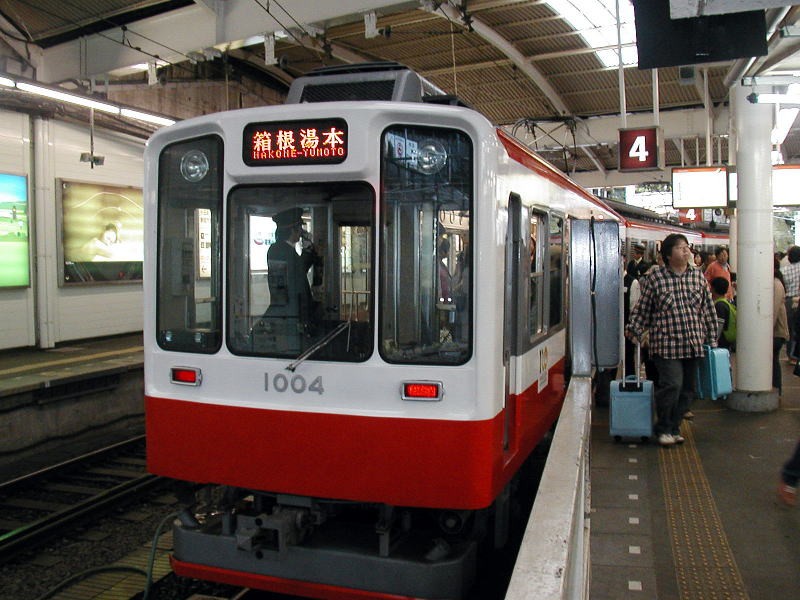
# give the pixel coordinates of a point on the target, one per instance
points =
(290, 587)
(402, 462)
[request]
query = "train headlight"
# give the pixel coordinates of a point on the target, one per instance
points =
(431, 157)
(194, 166)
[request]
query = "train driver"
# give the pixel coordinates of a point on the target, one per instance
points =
(287, 271)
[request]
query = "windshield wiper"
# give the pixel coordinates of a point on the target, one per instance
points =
(318, 345)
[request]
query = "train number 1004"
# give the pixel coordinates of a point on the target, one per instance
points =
(294, 383)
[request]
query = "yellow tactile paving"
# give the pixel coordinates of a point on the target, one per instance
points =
(704, 563)
(122, 585)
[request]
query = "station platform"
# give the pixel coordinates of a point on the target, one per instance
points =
(61, 402)
(27, 369)
(699, 520)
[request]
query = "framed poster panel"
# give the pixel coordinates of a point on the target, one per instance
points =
(102, 233)
(15, 268)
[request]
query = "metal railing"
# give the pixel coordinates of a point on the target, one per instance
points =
(553, 561)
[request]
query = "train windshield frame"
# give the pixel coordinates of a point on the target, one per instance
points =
(189, 268)
(426, 269)
(300, 270)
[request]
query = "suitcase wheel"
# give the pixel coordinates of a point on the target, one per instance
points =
(617, 438)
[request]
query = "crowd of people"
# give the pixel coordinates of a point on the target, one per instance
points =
(685, 300)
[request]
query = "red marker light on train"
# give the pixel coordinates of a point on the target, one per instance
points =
(422, 390)
(186, 376)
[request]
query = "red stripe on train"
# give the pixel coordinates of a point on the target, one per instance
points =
(403, 462)
(291, 587)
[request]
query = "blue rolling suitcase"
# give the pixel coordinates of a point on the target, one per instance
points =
(631, 407)
(714, 379)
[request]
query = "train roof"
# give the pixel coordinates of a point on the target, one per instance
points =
(636, 213)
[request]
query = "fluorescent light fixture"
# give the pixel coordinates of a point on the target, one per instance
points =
(65, 97)
(141, 116)
(84, 101)
(756, 98)
(596, 22)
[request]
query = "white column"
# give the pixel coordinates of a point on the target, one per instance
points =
(754, 255)
(46, 234)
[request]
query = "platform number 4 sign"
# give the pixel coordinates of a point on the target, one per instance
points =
(640, 149)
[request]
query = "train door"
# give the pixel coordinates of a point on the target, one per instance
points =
(513, 259)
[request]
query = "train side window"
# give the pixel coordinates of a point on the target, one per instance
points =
(556, 281)
(426, 235)
(189, 303)
(537, 252)
(300, 271)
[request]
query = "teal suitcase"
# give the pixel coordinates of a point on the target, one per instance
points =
(631, 406)
(714, 378)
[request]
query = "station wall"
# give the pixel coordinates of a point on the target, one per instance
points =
(47, 312)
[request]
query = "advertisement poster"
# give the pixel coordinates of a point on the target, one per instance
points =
(102, 232)
(14, 253)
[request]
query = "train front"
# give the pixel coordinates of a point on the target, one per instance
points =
(310, 292)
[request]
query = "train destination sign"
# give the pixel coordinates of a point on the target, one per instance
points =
(308, 142)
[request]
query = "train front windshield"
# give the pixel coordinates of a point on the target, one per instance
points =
(299, 258)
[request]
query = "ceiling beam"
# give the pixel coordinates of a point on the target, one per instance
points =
(174, 35)
(516, 57)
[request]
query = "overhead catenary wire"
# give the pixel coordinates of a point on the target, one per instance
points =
(320, 55)
(125, 30)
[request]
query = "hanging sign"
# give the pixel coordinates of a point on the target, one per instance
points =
(641, 149)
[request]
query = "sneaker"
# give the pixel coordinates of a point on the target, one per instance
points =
(787, 494)
(679, 439)
(666, 439)
(688, 415)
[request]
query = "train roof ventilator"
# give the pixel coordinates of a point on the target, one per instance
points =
(388, 81)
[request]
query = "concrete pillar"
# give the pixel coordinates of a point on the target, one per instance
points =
(46, 233)
(754, 256)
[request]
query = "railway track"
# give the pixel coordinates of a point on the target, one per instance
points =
(38, 506)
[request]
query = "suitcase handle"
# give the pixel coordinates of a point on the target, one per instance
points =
(637, 368)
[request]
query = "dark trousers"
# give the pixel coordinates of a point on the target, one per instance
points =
(674, 391)
(777, 344)
(791, 470)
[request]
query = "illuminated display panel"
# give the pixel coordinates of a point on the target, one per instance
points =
(309, 142)
(102, 232)
(786, 185)
(700, 187)
(14, 249)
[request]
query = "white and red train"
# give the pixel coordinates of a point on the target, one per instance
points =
(367, 400)
(648, 229)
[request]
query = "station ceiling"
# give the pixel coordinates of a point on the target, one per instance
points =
(519, 62)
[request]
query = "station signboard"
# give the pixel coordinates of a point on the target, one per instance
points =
(641, 149)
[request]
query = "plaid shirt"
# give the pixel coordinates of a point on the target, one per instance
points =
(791, 276)
(678, 311)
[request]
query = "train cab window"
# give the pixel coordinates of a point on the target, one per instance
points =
(189, 304)
(426, 263)
(300, 272)
(556, 283)
(537, 254)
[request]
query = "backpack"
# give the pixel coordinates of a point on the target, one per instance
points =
(729, 333)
